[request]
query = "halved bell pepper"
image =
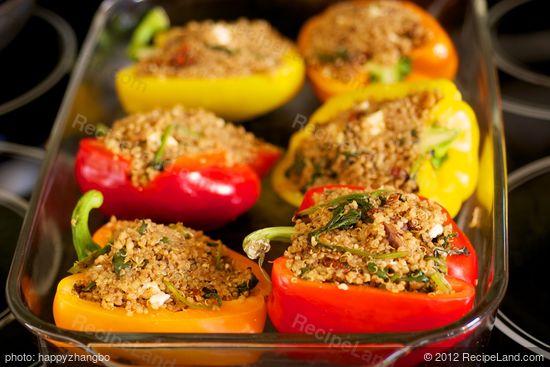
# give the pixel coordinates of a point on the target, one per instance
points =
(435, 59)
(71, 312)
(201, 191)
(296, 303)
(460, 266)
(234, 98)
(448, 169)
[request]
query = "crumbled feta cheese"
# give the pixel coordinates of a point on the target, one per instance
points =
(158, 299)
(313, 241)
(151, 285)
(375, 122)
(363, 105)
(153, 138)
(343, 286)
(392, 37)
(375, 11)
(436, 230)
(171, 142)
(222, 34)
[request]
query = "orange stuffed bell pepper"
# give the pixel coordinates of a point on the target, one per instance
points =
(414, 136)
(368, 261)
(239, 70)
(139, 276)
(359, 42)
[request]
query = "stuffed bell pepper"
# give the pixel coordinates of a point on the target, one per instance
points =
(368, 261)
(355, 43)
(238, 70)
(139, 276)
(419, 137)
(177, 165)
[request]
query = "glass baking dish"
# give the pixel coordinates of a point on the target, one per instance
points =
(45, 252)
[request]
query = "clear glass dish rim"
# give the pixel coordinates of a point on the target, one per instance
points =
(482, 310)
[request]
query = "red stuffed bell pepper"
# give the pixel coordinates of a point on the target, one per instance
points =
(380, 261)
(173, 165)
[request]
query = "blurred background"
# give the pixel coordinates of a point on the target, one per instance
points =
(39, 42)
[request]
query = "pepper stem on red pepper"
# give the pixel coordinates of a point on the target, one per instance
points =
(82, 239)
(257, 243)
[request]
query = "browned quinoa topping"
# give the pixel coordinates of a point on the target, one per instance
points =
(384, 239)
(219, 49)
(350, 36)
(146, 259)
(186, 132)
(372, 144)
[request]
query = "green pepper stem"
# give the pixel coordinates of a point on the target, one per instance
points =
(155, 21)
(257, 243)
(82, 239)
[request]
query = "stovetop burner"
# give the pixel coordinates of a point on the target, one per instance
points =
(523, 315)
(33, 70)
(14, 338)
(34, 63)
(520, 32)
(522, 48)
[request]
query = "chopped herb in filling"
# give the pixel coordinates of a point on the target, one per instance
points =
(374, 39)
(384, 239)
(154, 266)
(373, 144)
(211, 49)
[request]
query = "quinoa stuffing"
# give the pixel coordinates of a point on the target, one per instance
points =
(353, 38)
(210, 49)
(155, 139)
(385, 239)
(150, 266)
(372, 144)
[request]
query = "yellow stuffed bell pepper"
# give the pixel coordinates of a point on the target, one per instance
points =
(206, 65)
(437, 158)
